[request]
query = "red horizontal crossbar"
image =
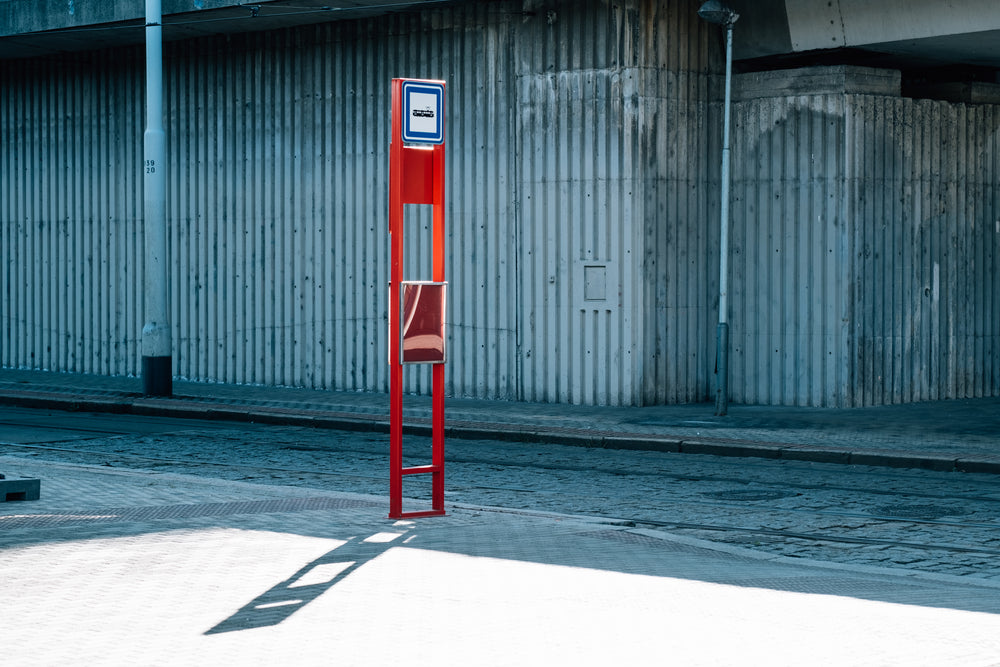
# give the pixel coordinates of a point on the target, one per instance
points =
(417, 515)
(419, 470)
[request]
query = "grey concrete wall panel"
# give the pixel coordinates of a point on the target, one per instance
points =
(612, 186)
(277, 151)
(299, 296)
(679, 172)
(789, 265)
(682, 237)
(577, 123)
(925, 250)
(865, 250)
(70, 203)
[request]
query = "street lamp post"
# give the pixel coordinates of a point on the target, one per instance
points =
(718, 13)
(157, 375)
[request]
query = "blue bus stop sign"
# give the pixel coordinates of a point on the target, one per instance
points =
(423, 112)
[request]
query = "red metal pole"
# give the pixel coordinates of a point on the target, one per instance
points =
(437, 374)
(395, 276)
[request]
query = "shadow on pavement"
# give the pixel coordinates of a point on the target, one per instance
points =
(307, 584)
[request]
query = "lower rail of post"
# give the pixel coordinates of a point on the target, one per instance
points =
(437, 494)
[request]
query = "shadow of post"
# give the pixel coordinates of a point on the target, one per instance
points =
(307, 584)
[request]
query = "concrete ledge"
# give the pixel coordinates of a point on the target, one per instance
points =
(816, 455)
(67, 402)
(971, 92)
(574, 439)
(840, 79)
(650, 444)
(901, 460)
(754, 450)
(981, 466)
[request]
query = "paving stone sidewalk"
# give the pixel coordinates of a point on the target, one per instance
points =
(116, 566)
(942, 435)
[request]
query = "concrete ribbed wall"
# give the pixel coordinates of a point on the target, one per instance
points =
(866, 248)
(277, 152)
(924, 201)
(582, 212)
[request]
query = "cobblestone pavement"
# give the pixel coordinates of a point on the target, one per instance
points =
(919, 520)
(942, 435)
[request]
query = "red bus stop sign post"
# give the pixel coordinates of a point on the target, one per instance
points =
(416, 307)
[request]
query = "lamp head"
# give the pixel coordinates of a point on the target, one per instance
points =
(718, 13)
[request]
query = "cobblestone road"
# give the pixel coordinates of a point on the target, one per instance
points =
(928, 521)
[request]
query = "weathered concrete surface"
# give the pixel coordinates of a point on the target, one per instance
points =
(37, 27)
(816, 81)
(963, 31)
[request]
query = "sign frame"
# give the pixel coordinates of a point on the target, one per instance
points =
(416, 106)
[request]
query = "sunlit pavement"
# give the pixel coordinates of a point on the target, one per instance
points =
(132, 567)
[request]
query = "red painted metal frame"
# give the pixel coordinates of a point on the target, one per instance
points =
(416, 176)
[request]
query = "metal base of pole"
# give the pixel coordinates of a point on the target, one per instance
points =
(722, 369)
(157, 376)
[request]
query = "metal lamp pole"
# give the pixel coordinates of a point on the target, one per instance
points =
(719, 14)
(157, 373)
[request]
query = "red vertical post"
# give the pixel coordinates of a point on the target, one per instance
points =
(395, 277)
(416, 176)
(437, 371)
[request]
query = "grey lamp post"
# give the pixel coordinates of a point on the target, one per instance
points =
(718, 13)
(157, 376)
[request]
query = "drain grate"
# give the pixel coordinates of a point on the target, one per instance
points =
(182, 511)
(749, 494)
